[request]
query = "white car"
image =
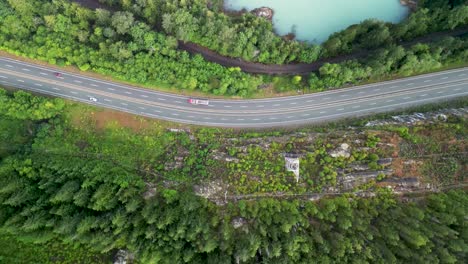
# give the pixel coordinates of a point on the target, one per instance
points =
(198, 101)
(93, 99)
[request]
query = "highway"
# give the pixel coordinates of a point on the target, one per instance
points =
(258, 113)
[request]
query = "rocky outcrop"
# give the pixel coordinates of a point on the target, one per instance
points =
(264, 12)
(412, 4)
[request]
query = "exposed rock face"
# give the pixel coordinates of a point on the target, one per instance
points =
(342, 151)
(420, 118)
(412, 4)
(263, 12)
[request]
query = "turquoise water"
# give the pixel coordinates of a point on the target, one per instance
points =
(315, 20)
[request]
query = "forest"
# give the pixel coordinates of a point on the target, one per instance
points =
(120, 45)
(63, 182)
(253, 39)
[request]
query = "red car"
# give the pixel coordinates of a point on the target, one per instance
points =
(198, 101)
(58, 74)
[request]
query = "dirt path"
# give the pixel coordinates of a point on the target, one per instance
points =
(277, 69)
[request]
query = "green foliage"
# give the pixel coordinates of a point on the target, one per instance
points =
(23, 106)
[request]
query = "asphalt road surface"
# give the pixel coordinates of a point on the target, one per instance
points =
(272, 112)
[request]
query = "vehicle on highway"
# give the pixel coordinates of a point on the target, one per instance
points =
(198, 101)
(58, 74)
(93, 99)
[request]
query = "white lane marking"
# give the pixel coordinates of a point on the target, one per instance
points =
(37, 84)
(440, 92)
(23, 69)
(458, 89)
(178, 102)
(207, 118)
(344, 95)
(422, 95)
(395, 86)
(376, 90)
(406, 98)
(293, 103)
(55, 88)
(123, 103)
(8, 65)
(306, 115)
(156, 111)
(77, 81)
(323, 112)
(175, 114)
(161, 99)
(408, 84)
(142, 95)
(260, 106)
(310, 101)
(256, 119)
(426, 81)
(107, 100)
(227, 106)
(243, 106)
(128, 92)
(272, 118)
(111, 89)
(95, 85)
(190, 116)
(43, 73)
(240, 119)
(356, 106)
(326, 98)
(289, 117)
(443, 78)
(340, 109)
(372, 103)
(142, 108)
(20, 80)
(224, 119)
(73, 92)
(361, 92)
(4, 77)
(276, 105)
(463, 74)
(389, 101)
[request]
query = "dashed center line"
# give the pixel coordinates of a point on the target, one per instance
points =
(37, 84)
(458, 89)
(128, 92)
(293, 103)
(310, 101)
(426, 81)
(142, 108)
(156, 111)
(440, 92)
(207, 118)
(161, 99)
(19, 80)
(175, 114)
(276, 105)
(178, 102)
(361, 92)
(95, 85)
(243, 106)
(240, 119)
(227, 106)
(23, 69)
(77, 81)
(43, 73)
(256, 119)
(8, 65)
(273, 118)
(4, 77)
(73, 92)
(356, 106)
(395, 86)
(443, 78)
(190, 116)
(124, 103)
(326, 98)
(260, 106)
(289, 117)
(376, 90)
(306, 115)
(389, 101)
(372, 103)
(111, 89)
(340, 109)
(145, 96)
(407, 98)
(409, 84)
(323, 112)
(107, 100)
(422, 95)
(463, 74)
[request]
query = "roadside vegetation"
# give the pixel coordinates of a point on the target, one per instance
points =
(120, 45)
(70, 173)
